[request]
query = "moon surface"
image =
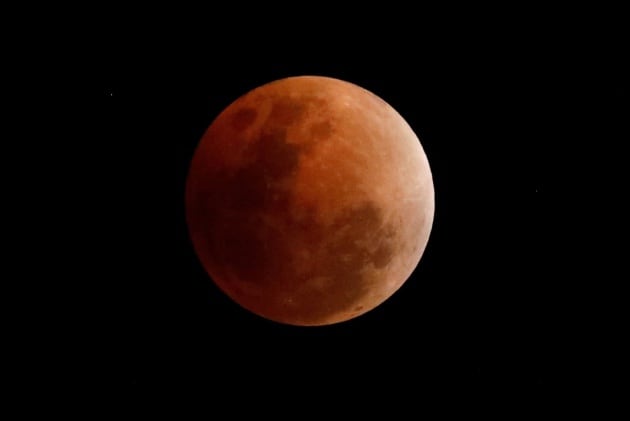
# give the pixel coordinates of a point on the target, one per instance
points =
(309, 201)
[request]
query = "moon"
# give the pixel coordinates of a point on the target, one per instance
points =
(309, 201)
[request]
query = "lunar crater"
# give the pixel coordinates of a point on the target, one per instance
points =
(243, 118)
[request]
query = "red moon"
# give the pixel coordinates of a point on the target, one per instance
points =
(309, 201)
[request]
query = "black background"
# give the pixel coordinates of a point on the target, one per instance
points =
(518, 116)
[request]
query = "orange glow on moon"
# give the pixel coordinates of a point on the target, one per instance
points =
(309, 201)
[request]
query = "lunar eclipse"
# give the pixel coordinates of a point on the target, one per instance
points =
(309, 201)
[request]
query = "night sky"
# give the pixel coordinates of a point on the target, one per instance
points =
(515, 126)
